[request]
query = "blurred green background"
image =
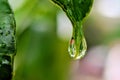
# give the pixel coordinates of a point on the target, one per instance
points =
(41, 55)
(43, 34)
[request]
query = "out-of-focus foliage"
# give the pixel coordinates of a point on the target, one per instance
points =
(40, 53)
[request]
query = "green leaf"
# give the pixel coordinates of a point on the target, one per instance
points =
(7, 40)
(76, 10)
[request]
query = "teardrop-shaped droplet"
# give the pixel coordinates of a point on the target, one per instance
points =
(77, 46)
(75, 51)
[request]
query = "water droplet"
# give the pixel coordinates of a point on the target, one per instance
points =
(77, 47)
(77, 52)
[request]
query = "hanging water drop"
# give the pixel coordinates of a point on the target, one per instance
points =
(77, 45)
(76, 10)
